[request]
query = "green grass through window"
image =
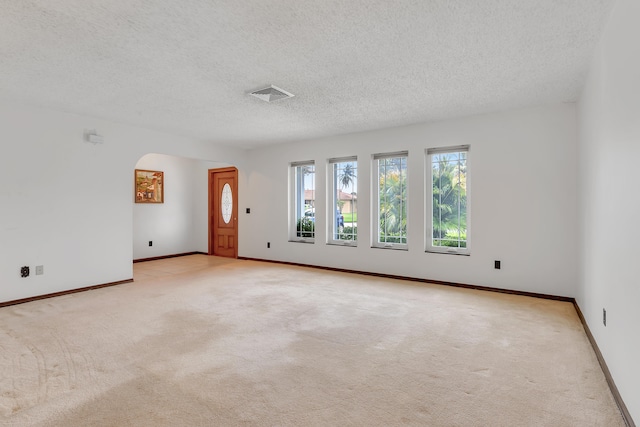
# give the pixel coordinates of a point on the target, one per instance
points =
(350, 217)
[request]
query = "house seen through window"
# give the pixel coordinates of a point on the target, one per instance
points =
(303, 201)
(343, 174)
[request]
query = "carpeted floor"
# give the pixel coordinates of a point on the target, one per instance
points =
(205, 341)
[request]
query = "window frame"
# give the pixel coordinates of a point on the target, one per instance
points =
(375, 201)
(331, 205)
(429, 247)
(295, 205)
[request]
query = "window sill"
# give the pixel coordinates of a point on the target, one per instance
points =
(301, 241)
(339, 243)
(433, 251)
(392, 247)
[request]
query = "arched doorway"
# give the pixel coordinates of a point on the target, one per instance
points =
(179, 225)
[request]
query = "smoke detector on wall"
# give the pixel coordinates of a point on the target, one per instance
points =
(271, 93)
(91, 135)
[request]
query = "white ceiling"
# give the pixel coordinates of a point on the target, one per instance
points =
(185, 66)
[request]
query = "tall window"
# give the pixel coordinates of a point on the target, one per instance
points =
(449, 231)
(343, 208)
(390, 224)
(303, 197)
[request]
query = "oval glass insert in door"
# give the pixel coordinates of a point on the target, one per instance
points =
(226, 203)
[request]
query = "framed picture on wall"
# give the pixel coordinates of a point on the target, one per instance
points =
(149, 186)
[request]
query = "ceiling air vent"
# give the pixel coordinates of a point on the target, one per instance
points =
(271, 94)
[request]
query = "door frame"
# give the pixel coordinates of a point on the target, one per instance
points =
(211, 228)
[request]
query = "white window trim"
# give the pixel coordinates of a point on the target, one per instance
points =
(293, 192)
(375, 199)
(429, 201)
(331, 202)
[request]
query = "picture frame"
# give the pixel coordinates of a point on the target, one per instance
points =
(149, 186)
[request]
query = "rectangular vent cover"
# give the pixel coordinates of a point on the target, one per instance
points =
(271, 93)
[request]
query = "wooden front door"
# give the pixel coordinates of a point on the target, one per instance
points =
(223, 212)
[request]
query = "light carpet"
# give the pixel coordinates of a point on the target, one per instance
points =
(205, 341)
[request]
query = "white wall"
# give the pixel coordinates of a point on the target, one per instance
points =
(67, 204)
(609, 114)
(523, 201)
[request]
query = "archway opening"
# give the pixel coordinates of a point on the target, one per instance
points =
(179, 223)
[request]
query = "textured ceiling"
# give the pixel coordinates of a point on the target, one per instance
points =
(186, 66)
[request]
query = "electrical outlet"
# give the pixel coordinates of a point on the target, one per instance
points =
(268, 245)
(604, 317)
(24, 271)
(497, 264)
(39, 270)
(248, 210)
(150, 243)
